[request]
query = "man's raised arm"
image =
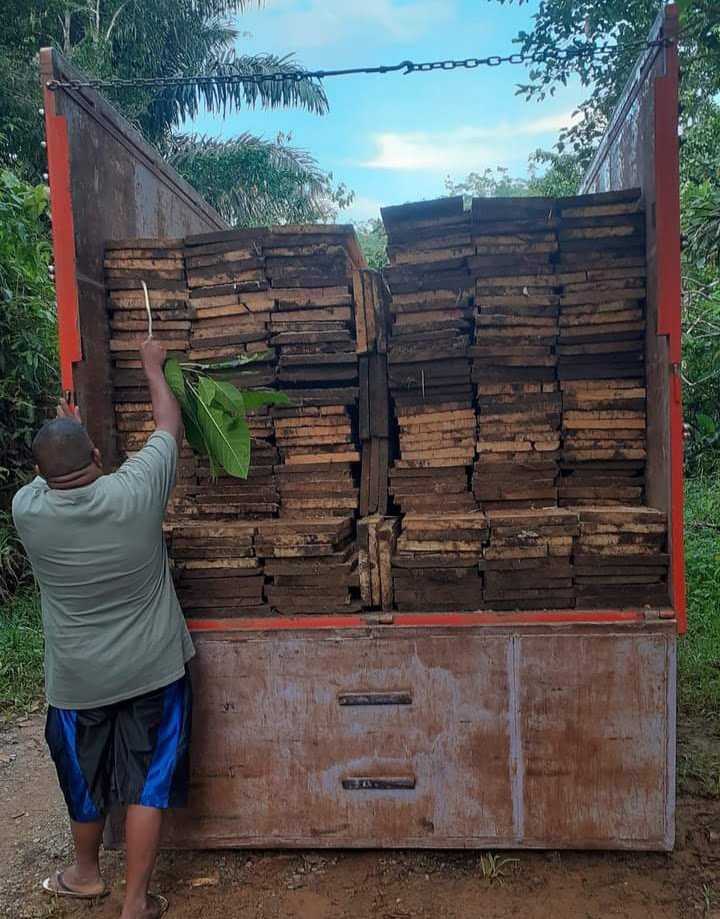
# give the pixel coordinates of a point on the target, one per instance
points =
(166, 411)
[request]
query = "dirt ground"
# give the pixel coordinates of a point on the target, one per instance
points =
(356, 885)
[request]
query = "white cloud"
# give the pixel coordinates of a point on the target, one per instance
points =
(361, 209)
(464, 148)
(320, 23)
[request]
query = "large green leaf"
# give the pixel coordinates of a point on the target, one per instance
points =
(206, 390)
(186, 398)
(175, 379)
(259, 398)
(229, 397)
(228, 440)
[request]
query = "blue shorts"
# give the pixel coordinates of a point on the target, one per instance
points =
(133, 752)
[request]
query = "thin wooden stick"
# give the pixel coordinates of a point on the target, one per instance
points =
(147, 308)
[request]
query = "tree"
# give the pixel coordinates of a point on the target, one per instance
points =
(562, 177)
(490, 183)
(624, 23)
(550, 174)
(280, 184)
(28, 367)
(127, 39)
(373, 242)
(627, 22)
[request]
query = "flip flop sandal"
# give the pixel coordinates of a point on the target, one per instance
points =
(60, 889)
(162, 903)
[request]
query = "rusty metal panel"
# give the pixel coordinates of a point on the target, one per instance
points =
(594, 719)
(120, 188)
(526, 736)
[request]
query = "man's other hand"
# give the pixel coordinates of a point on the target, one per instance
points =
(66, 410)
(152, 355)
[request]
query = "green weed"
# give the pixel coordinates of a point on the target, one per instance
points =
(497, 867)
(699, 654)
(21, 653)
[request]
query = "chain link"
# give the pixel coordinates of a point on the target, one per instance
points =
(560, 55)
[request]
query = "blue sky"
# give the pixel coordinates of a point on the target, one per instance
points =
(395, 138)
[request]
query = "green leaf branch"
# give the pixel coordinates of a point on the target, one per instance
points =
(214, 411)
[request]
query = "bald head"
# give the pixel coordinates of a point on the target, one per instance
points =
(63, 447)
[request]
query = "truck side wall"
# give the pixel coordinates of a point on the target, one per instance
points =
(640, 150)
(107, 183)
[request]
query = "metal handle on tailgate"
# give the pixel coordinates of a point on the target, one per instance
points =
(401, 697)
(371, 783)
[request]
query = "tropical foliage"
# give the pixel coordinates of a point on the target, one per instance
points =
(128, 39)
(28, 365)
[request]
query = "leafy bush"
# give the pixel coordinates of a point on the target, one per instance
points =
(28, 362)
(21, 652)
(699, 657)
(701, 325)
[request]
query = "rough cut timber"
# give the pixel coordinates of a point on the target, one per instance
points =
(159, 264)
(430, 244)
(217, 573)
(436, 563)
(514, 356)
(310, 565)
(493, 389)
(601, 273)
(528, 561)
(621, 557)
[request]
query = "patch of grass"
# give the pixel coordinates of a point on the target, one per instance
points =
(699, 654)
(497, 867)
(698, 769)
(21, 653)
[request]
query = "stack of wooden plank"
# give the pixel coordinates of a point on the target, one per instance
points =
(217, 573)
(310, 565)
(160, 264)
(528, 561)
(309, 269)
(621, 557)
(514, 360)
(231, 303)
(318, 450)
(436, 565)
(429, 366)
(601, 271)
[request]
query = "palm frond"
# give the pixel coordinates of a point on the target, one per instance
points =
(252, 181)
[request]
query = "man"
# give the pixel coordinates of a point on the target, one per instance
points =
(116, 644)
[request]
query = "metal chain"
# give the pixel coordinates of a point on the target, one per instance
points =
(405, 67)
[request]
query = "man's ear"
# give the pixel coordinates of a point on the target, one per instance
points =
(97, 457)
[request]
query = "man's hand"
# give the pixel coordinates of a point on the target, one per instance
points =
(166, 411)
(152, 355)
(65, 410)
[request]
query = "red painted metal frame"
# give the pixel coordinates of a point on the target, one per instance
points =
(667, 225)
(416, 620)
(63, 231)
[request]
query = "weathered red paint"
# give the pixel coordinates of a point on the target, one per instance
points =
(63, 233)
(667, 217)
(405, 620)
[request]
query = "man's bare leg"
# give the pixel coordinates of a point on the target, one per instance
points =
(84, 875)
(142, 834)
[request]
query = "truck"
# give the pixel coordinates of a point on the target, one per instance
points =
(525, 728)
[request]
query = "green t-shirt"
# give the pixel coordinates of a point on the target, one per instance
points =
(113, 625)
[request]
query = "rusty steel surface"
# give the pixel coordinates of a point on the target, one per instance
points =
(119, 188)
(525, 736)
